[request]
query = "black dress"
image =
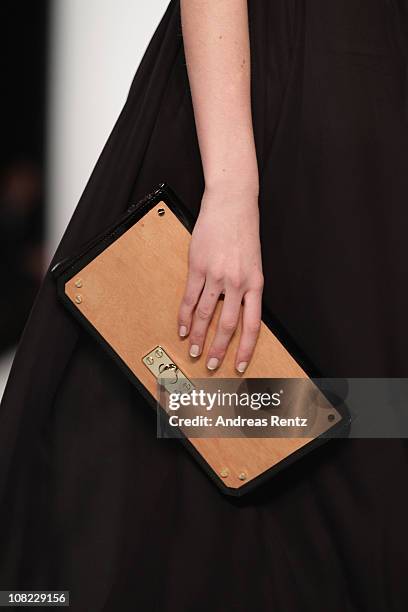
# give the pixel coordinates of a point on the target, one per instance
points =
(91, 501)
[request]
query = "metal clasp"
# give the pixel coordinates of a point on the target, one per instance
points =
(169, 374)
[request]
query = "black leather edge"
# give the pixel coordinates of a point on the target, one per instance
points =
(65, 269)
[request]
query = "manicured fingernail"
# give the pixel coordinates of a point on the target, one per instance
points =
(212, 363)
(194, 350)
(183, 331)
(241, 366)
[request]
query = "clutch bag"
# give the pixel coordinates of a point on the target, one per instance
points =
(125, 288)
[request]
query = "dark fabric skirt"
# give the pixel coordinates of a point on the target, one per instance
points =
(91, 500)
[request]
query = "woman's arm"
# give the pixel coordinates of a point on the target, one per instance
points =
(225, 251)
(216, 44)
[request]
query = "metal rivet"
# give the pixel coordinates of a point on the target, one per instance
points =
(331, 417)
(161, 212)
(78, 298)
(242, 476)
(78, 283)
(158, 353)
(149, 360)
(224, 472)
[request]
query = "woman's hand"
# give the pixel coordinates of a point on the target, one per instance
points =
(224, 257)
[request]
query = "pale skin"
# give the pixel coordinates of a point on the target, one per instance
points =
(225, 251)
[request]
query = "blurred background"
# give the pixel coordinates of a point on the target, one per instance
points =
(67, 69)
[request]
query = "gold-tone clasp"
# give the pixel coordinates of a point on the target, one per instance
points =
(169, 374)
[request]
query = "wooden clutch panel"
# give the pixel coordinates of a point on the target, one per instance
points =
(130, 293)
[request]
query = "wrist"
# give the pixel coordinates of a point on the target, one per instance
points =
(233, 183)
(234, 197)
(234, 194)
(232, 165)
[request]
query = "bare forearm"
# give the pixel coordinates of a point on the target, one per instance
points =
(216, 44)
